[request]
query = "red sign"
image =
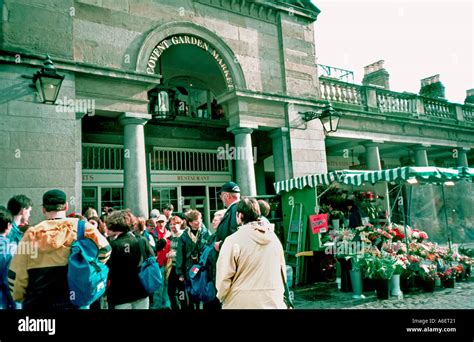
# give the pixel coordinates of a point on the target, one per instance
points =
(319, 223)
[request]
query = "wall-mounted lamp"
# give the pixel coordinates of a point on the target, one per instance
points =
(161, 101)
(328, 116)
(48, 82)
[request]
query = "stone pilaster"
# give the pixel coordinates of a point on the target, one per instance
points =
(280, 146)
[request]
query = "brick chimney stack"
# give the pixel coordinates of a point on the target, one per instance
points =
(375, 74)
(469, 97)
(432, 87)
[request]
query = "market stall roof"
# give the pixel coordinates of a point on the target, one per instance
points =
(427, 174)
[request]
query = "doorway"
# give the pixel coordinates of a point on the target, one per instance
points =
(194, 197)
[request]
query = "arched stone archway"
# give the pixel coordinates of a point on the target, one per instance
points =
(215, 46)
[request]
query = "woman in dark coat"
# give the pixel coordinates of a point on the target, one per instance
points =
(190, 245)
(126, 290)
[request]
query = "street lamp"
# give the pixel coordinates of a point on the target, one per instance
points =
(160, 105)
(328, 116)
(48, 82)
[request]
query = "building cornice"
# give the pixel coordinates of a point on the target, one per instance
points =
(263, 10)
(61, 64)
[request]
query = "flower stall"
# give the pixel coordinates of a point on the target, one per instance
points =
(397, 246)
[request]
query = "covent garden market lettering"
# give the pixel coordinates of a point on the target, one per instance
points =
(185, 39)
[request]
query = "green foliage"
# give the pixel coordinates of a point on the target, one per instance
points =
(377, 266)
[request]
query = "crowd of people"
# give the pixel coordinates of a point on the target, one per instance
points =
(246, 263)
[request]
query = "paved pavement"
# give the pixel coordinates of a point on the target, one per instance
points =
(327, 296)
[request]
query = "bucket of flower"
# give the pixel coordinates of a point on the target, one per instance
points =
(448, 277)
(428, 274)
(356, 276)
(381, 267)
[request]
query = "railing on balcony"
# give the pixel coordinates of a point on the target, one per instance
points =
(102, 157)
(439, 109)
(468, 113)
(337, 91)
(392, 102)
(172, 159)
(387, 101)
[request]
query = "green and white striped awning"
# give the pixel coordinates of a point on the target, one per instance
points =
(357, 177)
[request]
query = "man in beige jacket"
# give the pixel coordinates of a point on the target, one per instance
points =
(251, 264)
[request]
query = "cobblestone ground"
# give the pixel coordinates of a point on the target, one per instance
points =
(326, 296)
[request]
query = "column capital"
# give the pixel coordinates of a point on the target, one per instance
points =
(278, 133)
(240, 130)
(421, 147)
(463, 149)
(128, 118)
(373, 143)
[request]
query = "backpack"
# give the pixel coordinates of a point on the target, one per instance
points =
(200, 286)
(150, 273)
(86, 275)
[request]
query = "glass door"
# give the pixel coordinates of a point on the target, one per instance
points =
(194, 197)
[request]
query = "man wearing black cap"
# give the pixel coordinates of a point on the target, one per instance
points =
(39, 279)
(229, 195)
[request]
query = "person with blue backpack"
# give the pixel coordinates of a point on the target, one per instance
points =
(190, 246)
(38, 276)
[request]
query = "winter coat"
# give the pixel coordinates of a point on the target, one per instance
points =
(174, 245)
(7, 249)
(249, 269)
(39, 277)
(355, 217)
(228, 224)
(125, 285)
(163, 246)
(188, 251)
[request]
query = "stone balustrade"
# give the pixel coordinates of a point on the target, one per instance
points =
(468, 113)
(337, 91)
(389, 101)
(439, 109)
(386, 101)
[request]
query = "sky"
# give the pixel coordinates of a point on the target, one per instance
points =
(415, 38)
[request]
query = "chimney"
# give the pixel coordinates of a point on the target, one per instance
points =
(376, 75)
(432, 87)
(469, 97)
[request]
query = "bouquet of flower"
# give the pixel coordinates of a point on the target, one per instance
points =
(397, 233)
(427, 271)
(413, 266)
(419, 235)
(342, 234)
(449, 273)
(378, 265)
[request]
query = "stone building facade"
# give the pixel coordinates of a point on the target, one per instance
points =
(238, 73)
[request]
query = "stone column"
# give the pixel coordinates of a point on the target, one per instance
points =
(280, 153)
(245, 172)
(260, 177)
(421, 157)
(461, 160)
(372, 156)
(423, 207)
(135, 176)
